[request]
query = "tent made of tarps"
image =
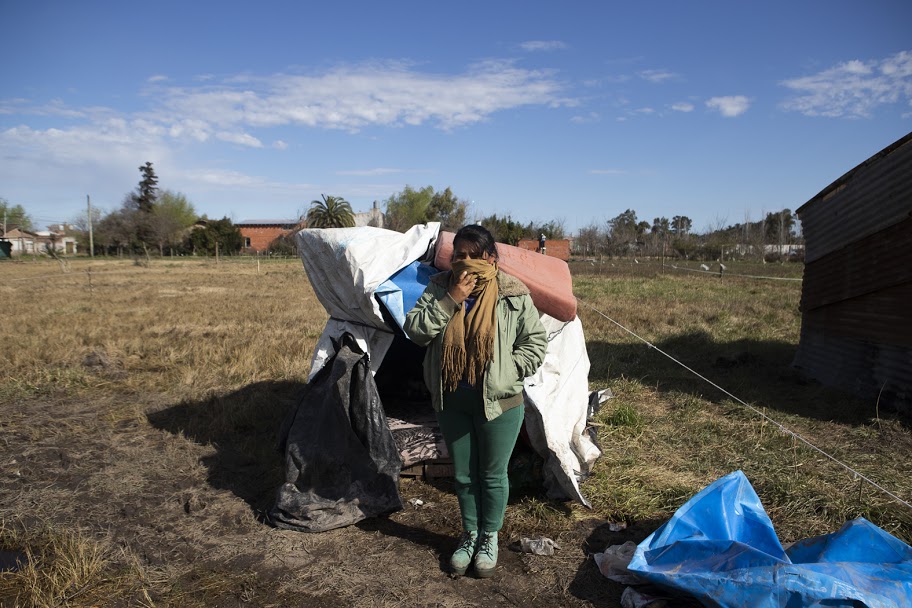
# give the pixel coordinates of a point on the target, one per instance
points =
(368, 278)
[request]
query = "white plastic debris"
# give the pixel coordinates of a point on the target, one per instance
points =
(613, 563)
(538, 546)
(420, 504)
(617, 526)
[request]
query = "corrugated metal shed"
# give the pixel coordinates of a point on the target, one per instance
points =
(856, 302)
(874, 195)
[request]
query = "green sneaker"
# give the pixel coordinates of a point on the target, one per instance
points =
(463, 555)
(486, 557)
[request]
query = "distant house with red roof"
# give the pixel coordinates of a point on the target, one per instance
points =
(258, 235)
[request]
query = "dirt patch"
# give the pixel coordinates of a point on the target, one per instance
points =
(182, 510)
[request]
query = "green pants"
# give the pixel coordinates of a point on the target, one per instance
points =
(481, 451)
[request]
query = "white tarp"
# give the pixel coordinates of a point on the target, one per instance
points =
(559, 394)
(347, 265)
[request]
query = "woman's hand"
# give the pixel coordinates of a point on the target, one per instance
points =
(463, 287)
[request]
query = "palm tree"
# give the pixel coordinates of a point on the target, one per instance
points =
(331, 212)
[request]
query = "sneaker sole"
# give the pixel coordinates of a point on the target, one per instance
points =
(485, 573)
(458, 571)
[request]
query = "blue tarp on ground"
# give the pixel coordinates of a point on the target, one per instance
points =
(721, 548)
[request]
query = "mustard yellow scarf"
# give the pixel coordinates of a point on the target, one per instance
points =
(468, 342)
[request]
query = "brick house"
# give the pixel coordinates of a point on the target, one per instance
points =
(258, 234)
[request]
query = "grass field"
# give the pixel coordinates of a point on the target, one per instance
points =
(140, 406)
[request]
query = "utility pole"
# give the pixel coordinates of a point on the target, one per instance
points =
(91, 236)
(781, 235)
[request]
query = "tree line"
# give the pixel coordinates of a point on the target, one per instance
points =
(165, 222)
(771, 237)
(412, 206)
(151, 219)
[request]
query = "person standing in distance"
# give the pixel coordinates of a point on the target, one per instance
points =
(484, 337)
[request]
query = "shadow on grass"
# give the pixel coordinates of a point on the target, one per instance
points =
(590, 584)
(440, 544)
(243, 428)
(758, 372)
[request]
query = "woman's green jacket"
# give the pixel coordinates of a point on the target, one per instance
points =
(519, 345)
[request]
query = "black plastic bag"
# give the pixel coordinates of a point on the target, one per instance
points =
(341, 462)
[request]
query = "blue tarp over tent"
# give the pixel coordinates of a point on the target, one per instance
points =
(400, 292)
(720, 547)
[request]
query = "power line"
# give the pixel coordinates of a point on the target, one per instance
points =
(734, 274)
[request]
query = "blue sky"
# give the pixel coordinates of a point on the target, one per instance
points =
(572, 111)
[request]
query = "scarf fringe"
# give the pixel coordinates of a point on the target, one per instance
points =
(453, 363)
(481, 350)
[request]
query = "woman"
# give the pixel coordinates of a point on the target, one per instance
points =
(483, 338)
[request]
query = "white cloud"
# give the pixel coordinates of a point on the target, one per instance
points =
(157, 78)
(243, 139)
(584, 119)
(852, 89)
(100, 159)
(214, 180)
(682, 106)
(352, 98)
(54, 107)
(216, 177)
(730, 106)
(657, 76)
(192, 128)
(542, 45)
(86, 147)
(101, 142)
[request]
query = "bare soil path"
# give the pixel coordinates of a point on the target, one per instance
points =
(179, 520)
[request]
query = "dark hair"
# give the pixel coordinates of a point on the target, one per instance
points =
(479, 238)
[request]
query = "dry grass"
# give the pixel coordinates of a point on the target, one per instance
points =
(669, 433)
(57, 567)
(95, 355)
(186, 328)
(141, 403)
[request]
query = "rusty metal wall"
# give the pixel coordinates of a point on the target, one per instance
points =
(871, 197)
(880, 261)
(856, 300)
(871, 371)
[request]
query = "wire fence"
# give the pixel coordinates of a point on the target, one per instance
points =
(652, 267)
(103, 265)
